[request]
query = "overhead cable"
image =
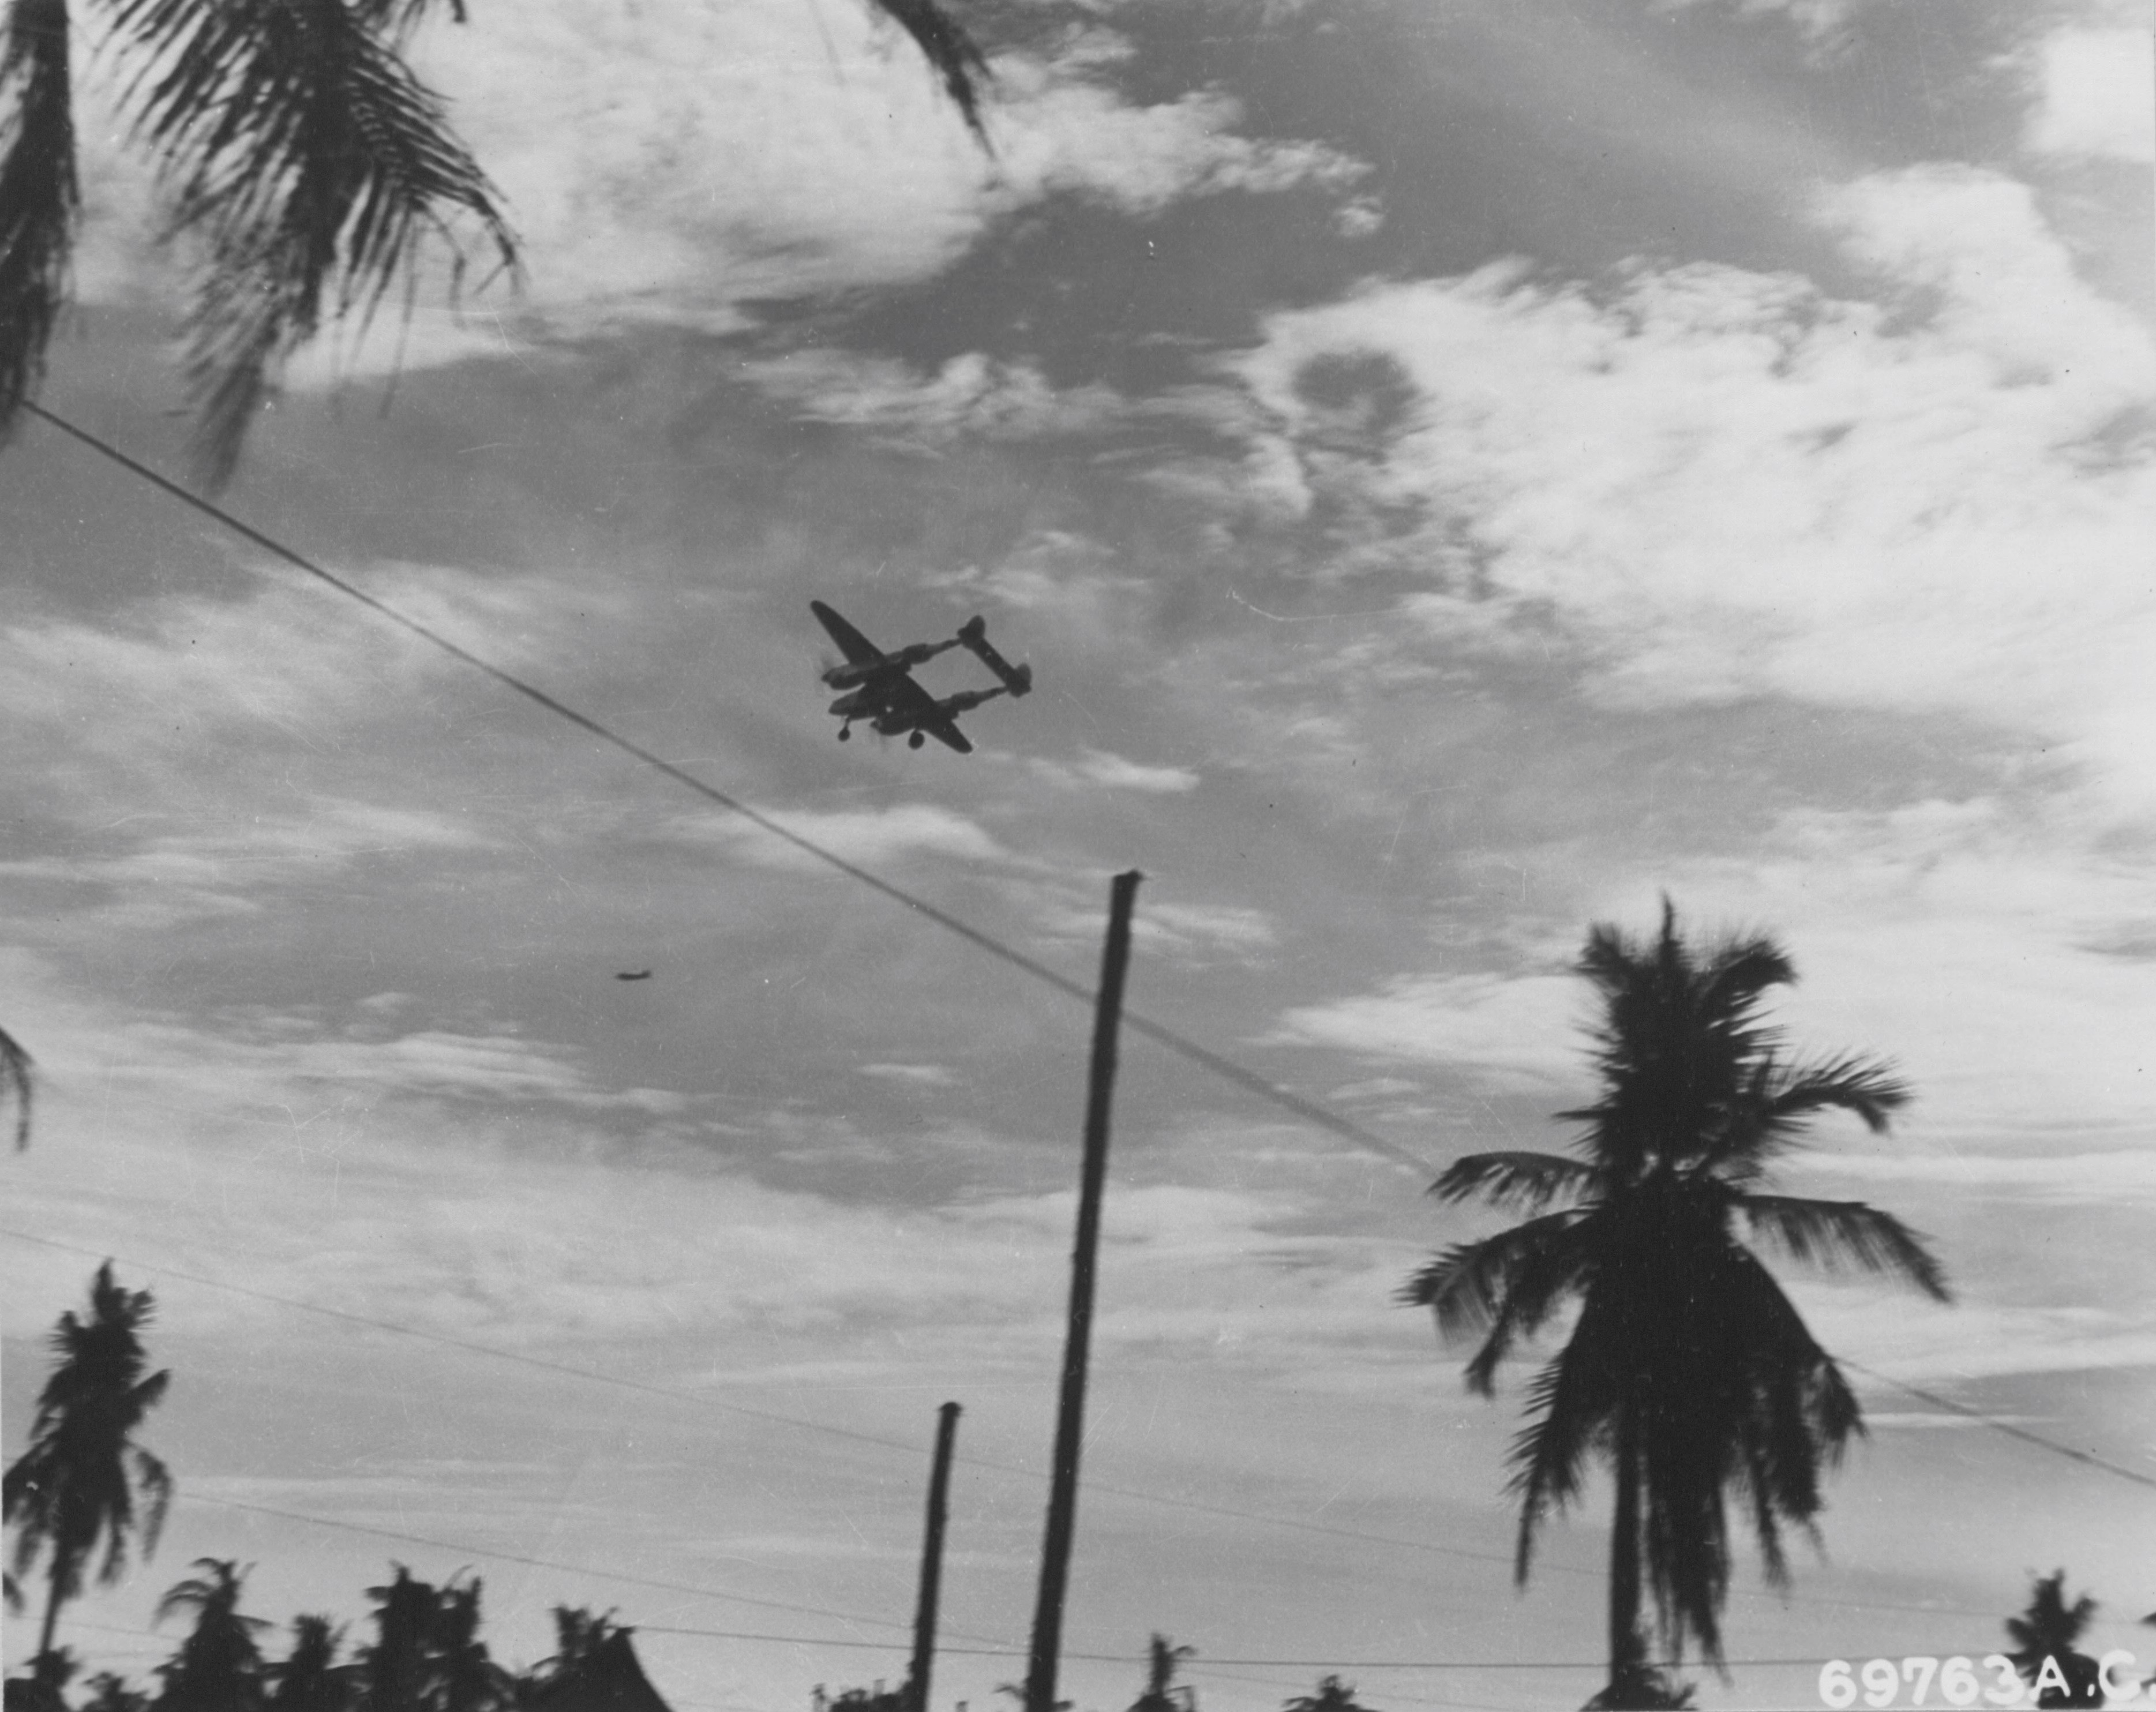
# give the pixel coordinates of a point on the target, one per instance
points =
(1160, 1034)
(911, 1448)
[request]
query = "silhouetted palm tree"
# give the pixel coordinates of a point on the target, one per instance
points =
(465, 1678)
(308, 1679)
(1332, 1695)
(43, 1687)
(1688, 1371)
(2047, 1630)
(79, 1483)
(1161, 1693)
(394, 1669)
(218, 1668)
(578, 1636)
(110, 1693)
(301, 154)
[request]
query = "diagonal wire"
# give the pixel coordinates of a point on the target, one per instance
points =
(2088, 1458)
(911, 1448)
(1345, 1128)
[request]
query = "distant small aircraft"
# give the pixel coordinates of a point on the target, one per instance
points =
(637, 974)
(879, 686)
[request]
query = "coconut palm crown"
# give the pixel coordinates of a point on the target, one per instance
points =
(83, 1481)
(1688, 1371)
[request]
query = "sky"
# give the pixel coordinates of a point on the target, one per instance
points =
(1459, 472)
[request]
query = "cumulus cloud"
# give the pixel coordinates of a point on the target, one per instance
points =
(672, 163)
(866, 835)
(1717, 482)
(1114, 772)
(912, 1074)
(2093, 96)
(971, 394)
(1519, 1032)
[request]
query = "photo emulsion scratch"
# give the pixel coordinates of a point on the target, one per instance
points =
(883, 855)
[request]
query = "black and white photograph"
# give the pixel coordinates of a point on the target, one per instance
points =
(1078, 855)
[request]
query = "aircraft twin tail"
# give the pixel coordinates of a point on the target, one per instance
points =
(878, 687)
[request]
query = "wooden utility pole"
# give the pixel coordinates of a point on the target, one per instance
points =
(1070, 1415)
(931, 1563)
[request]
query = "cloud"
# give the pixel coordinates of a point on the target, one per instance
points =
(870, 837)
(1713, 483)
(1118, 774)
(1520, 1033)
(678, 163)
(912, 1074)
(1826, 23)
(1114, 772)
(2092, 97)
(972, 394)
(212, 867)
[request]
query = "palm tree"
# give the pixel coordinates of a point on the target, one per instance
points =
(395, 1667)
(1332, 1695)
(111, 1693)
(2044, 1637)
(309, 1678)
(300, 152)
(43, 1688)
(465, 1678)
(1687, 1371)
(578, 1636)
(1162, 1694)
(218, 1668)
(83, 1481)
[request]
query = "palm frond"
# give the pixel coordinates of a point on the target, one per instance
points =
(1829, 1234)
(1570, 1405)
(40, 198)
(1519, 1181)
(1472, 1286)
(16, 1064)
(313, 167)
(954, 53)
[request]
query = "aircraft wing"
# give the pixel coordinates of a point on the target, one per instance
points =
(857, 648)
(919, 709)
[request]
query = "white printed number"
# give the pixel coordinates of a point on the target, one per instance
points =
(1881, 1682)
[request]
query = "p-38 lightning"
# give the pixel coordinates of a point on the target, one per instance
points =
(880, 687)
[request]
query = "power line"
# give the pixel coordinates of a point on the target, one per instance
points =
(1013, 1651)
(543, 1563)
(1159, 1033)
(2088, 1458)
(912, 1449)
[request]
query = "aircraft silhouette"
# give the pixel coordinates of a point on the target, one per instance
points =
(879, 686)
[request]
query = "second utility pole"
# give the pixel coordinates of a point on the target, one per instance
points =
(931, 1563)
(1070, 1415)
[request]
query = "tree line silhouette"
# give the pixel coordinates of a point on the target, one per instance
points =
(1686, 1373)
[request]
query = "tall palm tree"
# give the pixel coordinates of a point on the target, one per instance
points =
(1687, 1371)
(109, 1692)
(2044, 1635)
(1332, 1695)
(395, 1668)
(308, 1679)
(219, 1667)
(83, 1481)
(301, 155)
(466, 1679)
(1162, 1693)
